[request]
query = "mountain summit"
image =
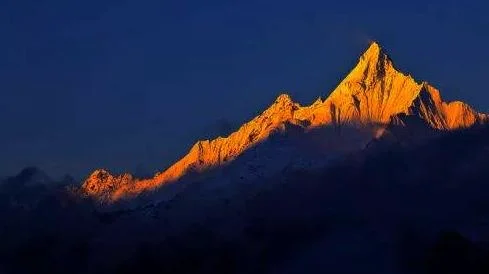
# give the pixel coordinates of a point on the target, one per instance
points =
(373, 93)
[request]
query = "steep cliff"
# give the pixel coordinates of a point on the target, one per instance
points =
(371, 94)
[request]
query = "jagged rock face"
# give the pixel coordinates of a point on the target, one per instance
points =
(102, 184)
(371, 93)
(441, 115)
(374, 92)
(203, 155)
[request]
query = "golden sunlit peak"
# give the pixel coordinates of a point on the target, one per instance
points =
(375, 44)
(284, 98)
(100, 173)
(373, 50)
(372, 93)
(374, 54)
(318, 101)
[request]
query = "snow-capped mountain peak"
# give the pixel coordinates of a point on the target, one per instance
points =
(373, 93)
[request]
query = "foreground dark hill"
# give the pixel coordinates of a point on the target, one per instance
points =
(394, 207)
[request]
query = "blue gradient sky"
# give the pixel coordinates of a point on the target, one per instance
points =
(130, 85)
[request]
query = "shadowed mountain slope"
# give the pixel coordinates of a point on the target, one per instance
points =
(373, 93)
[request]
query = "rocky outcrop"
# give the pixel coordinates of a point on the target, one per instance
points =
(372, 93)
(203, 155)
(429, 106)
(375, 90)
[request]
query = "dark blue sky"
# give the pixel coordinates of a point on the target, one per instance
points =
(131, 84)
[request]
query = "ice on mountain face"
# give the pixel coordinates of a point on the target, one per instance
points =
(371, 96)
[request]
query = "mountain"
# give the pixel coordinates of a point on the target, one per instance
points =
(30, 186)
(383, 212)
(375, 90)
(373, 95)
(376, 213)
